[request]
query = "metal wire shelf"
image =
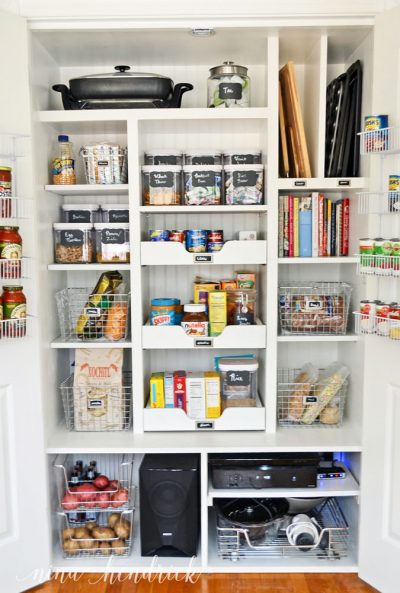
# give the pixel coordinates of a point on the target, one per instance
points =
(16, 269)
(15, 329)
(383, 141)
(383, 202)
(379, 265)
(14, 208)
(384, 327)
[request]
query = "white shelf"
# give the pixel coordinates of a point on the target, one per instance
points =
(60, 343)
(171, 253)
(316, 338)
(233, 336)
(116, 189)
(87, 267)
(248, 208)
(317, 260)
(326, 183)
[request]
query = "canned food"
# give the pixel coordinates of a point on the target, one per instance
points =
(178, 236)
(212, 247)
(368, 312)
(395, 259)
(382, 315)
(196, 240)
(216, 236)
(394, 182)
(375, 122)
(394, 193)
(366, 250)
(377, 140)
(159, 235)
(382, 251)
(5, 192)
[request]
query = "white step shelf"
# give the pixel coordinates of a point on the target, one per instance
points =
(175, 419)
(171, 253)
(233, 336)
(86, 189)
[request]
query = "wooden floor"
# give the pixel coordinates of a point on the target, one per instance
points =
(239, 583)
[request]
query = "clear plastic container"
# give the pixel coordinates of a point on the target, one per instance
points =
(63, 163)
(73, 243)
(202, 185)
(228, 86)
(112, 242)
(80, 212)
(238, 382)
(203, 156)
(241, 306)
(244, 184)
(115, 213)
(162, 185)
(163, 157)
(242, 157)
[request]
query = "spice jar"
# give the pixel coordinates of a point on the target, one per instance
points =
(161, 185)
(194, 320)
(5, 192)
(10, 249)
(239, 382)
(228, 86)
(14, 311)
(241, 307)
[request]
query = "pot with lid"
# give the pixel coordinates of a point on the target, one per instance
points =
(228, 86)
(121, 90)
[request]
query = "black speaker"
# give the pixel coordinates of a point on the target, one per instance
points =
(169, 505)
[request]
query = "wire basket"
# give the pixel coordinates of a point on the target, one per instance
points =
(105, 164)
(385, 327)
(96, 409)
(333, 542)
(295, 398)
(92, 317)
(383, 140)
(117, 541)
(319, 308)
(117, 467)
(379, 265)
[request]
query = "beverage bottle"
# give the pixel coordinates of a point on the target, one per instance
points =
(63, 164)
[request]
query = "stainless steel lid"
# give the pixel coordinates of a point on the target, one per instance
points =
(122, 72)
(229, 68)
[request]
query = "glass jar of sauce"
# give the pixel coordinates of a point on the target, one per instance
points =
(195, 322)
(11, 252)
(14, 311)
(5, 192)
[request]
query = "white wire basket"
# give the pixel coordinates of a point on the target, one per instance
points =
(15, 269)
(295, 398)
(94, 543)
(384, 327)
(97, 409)
(383, 141)
(318, 308)
(16, 329)
(379, 265)
(333, 542)
(105, 164)
(13, 208)
(117, 468)
(384, 202)
(92, 317)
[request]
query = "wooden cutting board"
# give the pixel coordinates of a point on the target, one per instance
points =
(284, 164)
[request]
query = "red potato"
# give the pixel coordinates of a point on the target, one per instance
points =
(113, 486)
(101, 482)
(87, 492)
(103, 500)
(70, 502)
(120, 498)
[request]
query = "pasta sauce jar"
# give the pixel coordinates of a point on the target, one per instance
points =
(10, 252)
(5, 192)
(14, 311)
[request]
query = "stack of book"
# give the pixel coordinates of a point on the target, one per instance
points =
(313, 226)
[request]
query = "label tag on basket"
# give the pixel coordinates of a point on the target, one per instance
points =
(345, 182)
(244, 178)
(313, 305)
(203, 342)
(92, 311)
(115, 236)
(230, 90)
(71, 238)
(205, 258)
(310, 399)
(238, 377)
(95, 404)
(204, 425)
(203, 178)
(162, 179)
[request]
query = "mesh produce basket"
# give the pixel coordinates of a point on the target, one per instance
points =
(95, 409)
(295, 398)
(104, 163)
(91, 317)
(320, 308)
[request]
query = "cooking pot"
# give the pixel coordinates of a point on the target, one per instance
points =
(260, 517)
(121, 90)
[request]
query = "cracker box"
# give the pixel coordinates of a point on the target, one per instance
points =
(169, 390)
(180, 390)
(157, 390)
(246, 280)
(217, 312)
(195, 396)
(212, 381)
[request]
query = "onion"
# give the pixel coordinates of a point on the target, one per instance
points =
(120, 498)
(70, 502)
(101, 482)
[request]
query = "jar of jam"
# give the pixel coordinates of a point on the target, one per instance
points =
(10, 252)
(241, 306)
(14, 311)
(5, 192)
(195, 322)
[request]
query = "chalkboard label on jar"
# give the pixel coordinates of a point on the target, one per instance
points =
(242, 159)
(118, 215)
(113, 236)
(165, 160)
(203, 178)
(162, 179)
(202, 160)
(244, 178)
(230, 90)
(71, 238)
(79, 216)
(244, 318)
(238, 377)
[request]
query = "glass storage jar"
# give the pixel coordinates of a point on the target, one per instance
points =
(80, 212)
(163, 157)
(202, 185)
(161, 185)
(10, 252)
(242, 157)
(73, 243)
(244, 184)
(112, 242)
(203, 156)
(115, 213)
(241, 307)
(238, 382)
(228, 86)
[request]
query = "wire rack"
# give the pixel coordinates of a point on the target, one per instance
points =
(314, 308)
(385, 140)
(115, 466)
(379, 265)
(15, 329)
(333, 543)
(95, 547)
(104, 164)
(295, 397)
(385, 327)
(15, 269)
(96, 409)
(92, 317)
(384, 202)
(13, 208)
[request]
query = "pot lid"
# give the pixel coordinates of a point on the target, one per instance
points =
(122, 72)
(229, 68)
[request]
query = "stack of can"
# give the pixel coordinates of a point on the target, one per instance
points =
(196, 240)
(379, 317)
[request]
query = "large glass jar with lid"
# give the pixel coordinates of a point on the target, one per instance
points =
(228, 86)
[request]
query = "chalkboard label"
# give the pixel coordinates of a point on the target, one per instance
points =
(204, 425)
(238, 377)
(242, 159)
(162, 179)
(118, 215)
(92, 311)
(300, 183)
(113, 236)
(203, 160)
(205, 258)
(202, 343)
(72, 238)
(244, 317)
(95, 404)
(103, 163)
(244, 178)
(345, 182)
(79, 216)
(203, 178)
(310, 399)
(230, 90)
(165, 160)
